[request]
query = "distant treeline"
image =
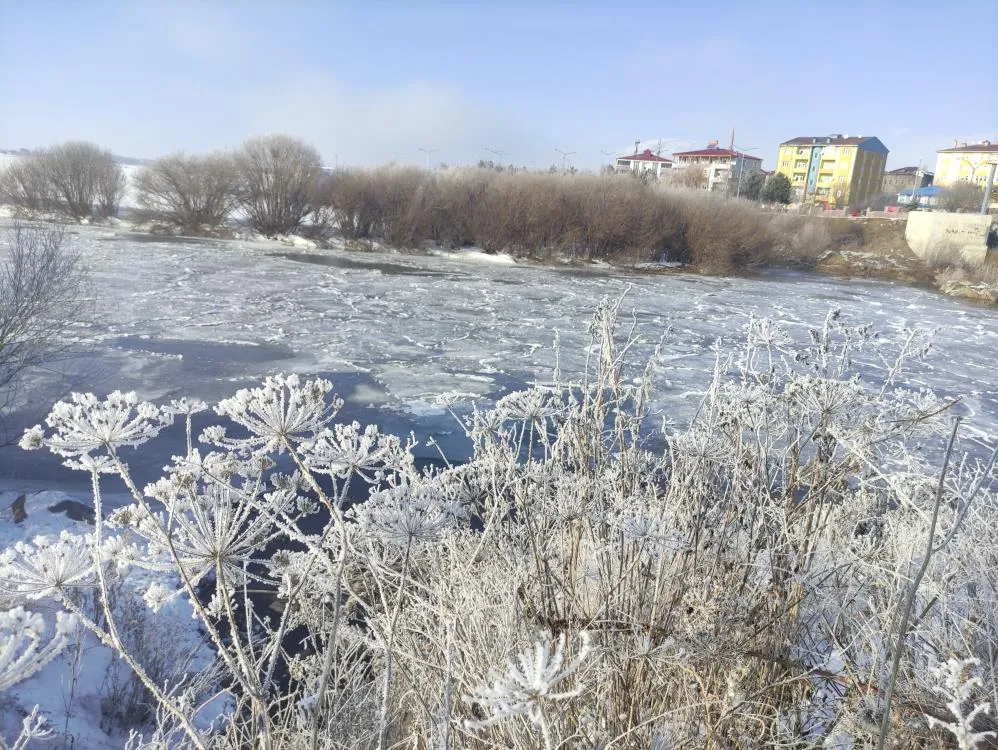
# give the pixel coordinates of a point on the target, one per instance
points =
(277, 186)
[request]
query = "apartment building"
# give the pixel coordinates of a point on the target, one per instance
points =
(905, 178)
(724, 168)
(643, 162)
(966, 163)
(834, 170)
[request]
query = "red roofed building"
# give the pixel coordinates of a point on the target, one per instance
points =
(723, 167)
(646, 161)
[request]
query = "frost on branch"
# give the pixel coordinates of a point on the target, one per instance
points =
(528, 683)
(22, 651)
(958, 685)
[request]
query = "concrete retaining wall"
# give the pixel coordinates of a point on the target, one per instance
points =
(940, 234)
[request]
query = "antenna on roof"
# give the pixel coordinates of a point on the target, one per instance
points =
(731, 147)
(637, 144)
(659, 152)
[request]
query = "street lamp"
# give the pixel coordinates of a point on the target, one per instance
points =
(428, 151)
(564, 157)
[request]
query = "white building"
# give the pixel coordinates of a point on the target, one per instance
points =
(724, 168)
(646, 161)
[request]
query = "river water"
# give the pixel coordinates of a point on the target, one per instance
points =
(401, 336)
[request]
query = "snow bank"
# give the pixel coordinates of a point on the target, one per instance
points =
(76, 691)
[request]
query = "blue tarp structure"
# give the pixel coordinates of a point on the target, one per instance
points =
(932, 191)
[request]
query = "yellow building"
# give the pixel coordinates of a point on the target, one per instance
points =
(966, 163)
(834, 170)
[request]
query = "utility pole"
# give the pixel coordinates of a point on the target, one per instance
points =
(741, 162)
(988, 187)
(498, 153)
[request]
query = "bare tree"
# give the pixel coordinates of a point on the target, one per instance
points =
(961, 196)
(23, 185)
(41, 285)
(83, 179)
(278, 178)
(189, 193)
(110, 188)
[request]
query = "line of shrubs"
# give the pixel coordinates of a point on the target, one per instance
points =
(581, 216)
(277, 185)
(271, 182)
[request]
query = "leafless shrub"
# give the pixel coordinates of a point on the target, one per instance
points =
(41, 286)
(726, 237)
(541, 215)
(83, 179)
(76, 180)
(349, 198)
(191, 194)
(23, 186)
(278, 181)
(110, 188)
(692, 177)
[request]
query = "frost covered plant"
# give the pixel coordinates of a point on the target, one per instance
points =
(85, 424)
(347, 450)
(46, 568)
(958, 686)
(746, 576)
(407, 514)
(527, 686)
(22, 652)
(282, 411)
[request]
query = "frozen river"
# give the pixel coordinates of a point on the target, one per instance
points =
(396, 333)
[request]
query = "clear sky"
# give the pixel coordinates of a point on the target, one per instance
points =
(369, 82)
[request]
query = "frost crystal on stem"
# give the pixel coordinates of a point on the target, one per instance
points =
(281, 411)
(85, 424)
(958, 686)
(21, 650)
(47, 567)
(529, 682)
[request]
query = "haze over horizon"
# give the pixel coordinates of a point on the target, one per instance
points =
(374, 83)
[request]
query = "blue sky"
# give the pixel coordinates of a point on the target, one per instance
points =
(369, 82)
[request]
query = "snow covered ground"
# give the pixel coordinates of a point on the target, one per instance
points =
(403, 337)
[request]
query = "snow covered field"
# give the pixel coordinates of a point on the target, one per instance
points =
(400, 334)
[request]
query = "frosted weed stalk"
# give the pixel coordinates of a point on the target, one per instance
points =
(740, 588)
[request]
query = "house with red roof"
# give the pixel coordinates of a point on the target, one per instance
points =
(723, 167)
(644, 162)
